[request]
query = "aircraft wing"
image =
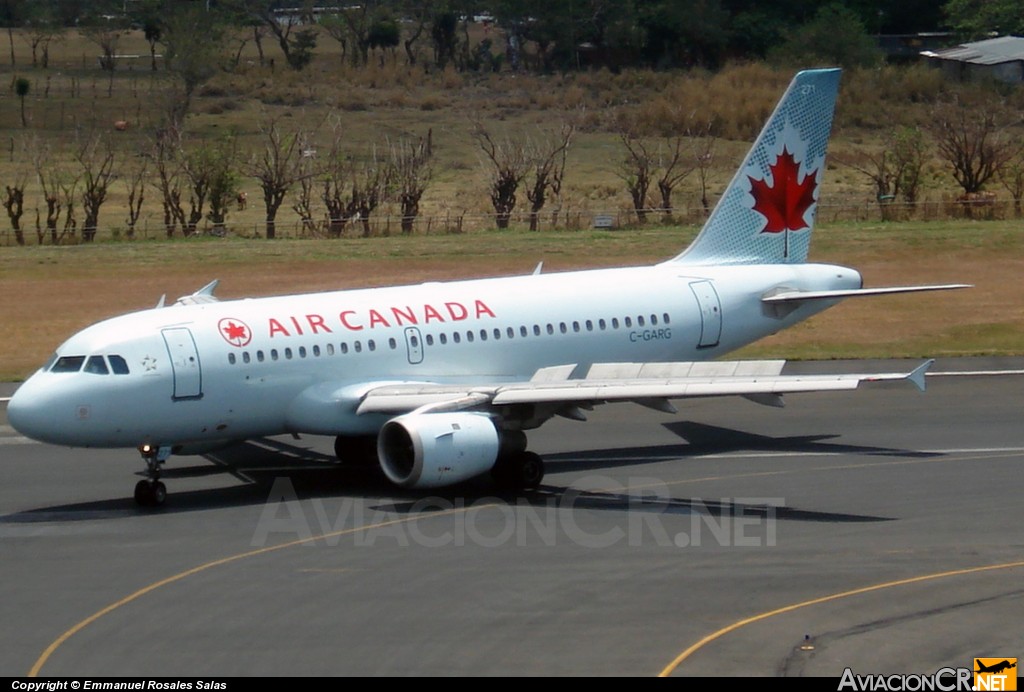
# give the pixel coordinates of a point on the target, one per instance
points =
(650, 384)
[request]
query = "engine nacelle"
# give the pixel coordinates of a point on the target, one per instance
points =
(430, 450)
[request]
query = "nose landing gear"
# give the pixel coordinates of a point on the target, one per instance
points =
(151, 492)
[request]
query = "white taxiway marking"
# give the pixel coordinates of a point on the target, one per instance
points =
(974, 373)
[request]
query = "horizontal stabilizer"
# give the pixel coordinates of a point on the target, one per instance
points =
(800, 296)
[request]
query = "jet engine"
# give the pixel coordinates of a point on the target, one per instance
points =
(430, 450)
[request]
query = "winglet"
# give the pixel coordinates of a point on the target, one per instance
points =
(918, 374)
(203, 295)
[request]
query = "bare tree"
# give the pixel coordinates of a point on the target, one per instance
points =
(973, 143)
(636, 171)
(509, 164)
(302, 202)
(14, 203)
(95, 157)
(547, 165)
(210, 168)
(704, 142)
(371, 185)
(48, 175)
(674, 165)
(277, 168)
(135, 186)
(166, 159)
(410, 163)
(337, 177)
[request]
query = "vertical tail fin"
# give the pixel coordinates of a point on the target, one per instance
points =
(768, 210)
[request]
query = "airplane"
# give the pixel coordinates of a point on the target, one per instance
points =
(995, 668)
(439, 382)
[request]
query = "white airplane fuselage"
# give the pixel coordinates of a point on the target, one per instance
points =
(203, 375)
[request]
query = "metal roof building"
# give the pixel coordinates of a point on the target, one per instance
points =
(1000, 58)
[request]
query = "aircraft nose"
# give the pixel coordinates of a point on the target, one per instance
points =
(27, 413)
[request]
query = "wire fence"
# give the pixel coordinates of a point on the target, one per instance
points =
(456, 221)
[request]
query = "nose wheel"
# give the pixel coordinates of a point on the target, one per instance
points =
(151, 492)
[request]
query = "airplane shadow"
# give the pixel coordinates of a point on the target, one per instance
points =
(700, 439)
(258, 464)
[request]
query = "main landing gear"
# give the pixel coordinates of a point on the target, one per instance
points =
(356, 450)
(151, 492)
(519, 471)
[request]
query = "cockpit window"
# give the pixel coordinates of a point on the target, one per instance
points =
(118, 365)
(49, 363)
(96, 366)
(68, 364)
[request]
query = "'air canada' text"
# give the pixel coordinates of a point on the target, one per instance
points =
(377, 318)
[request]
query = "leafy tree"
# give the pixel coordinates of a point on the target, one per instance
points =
(978, 18)
(21, 89)
(836, 36)
(297, 39)
(192, 56)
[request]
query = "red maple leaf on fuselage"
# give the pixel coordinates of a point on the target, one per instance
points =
(234, 331)
(785, 203)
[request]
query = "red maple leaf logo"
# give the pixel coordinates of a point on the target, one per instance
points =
(235, 332)
(785, 203)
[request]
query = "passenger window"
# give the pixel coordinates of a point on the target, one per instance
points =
(654, 320)
(497, 333)
(372, 345)
(640, 321)
(302, 351)
(456, 338)
(118, 365)
(68, 364)
(344, 348)
(469, 336)
(522, 330)
(615, 323)
(443, 339)
(628, 322)
(316, 351)
(358, 346)
(512, 333)
(330, 349)
(392, 344)
(245, 357)
(551, 329)
(536, 330)
(259, 356)
(601, 324)
(665, 318)
(231, 358)
(575, 326)
(273, 354)
(430, 339)
(590, 326)
(287, 354)
(96, 366)
(483, 335)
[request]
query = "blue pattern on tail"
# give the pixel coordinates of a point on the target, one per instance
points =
(767, 213)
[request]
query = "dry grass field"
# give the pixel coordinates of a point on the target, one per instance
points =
(388, 100)
(47, 293)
